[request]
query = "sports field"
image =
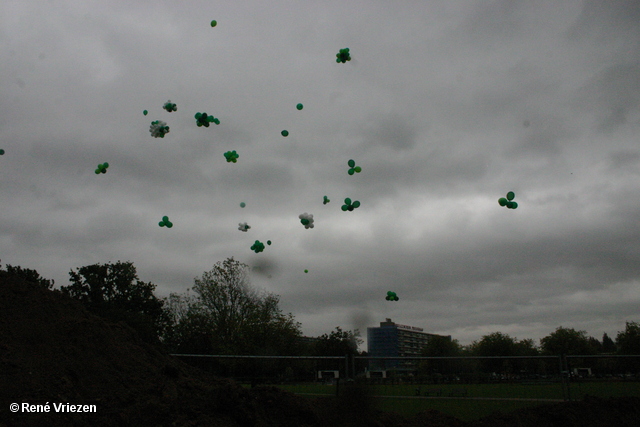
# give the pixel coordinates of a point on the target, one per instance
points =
(472, 401)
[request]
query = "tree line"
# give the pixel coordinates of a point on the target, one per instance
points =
(223, 314)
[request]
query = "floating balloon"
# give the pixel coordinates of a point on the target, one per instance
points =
(285, 133)
(343, 56)
(348, 206)
(325, 200)
(269, 242)
(165, 222)
(214, 23)
(508, 201)
(159, 129)
(299, 106)
(353, 168)
(169, 106)
(102, 168)
(243, 226)
(203, 119)
(306, 271)
(1, 152)
(242, 204)
(258, 246)
(231, 156)
(391, 296)
(306, 220)
(145, 112)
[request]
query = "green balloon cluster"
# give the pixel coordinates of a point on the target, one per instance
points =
(325, 201)
(169, 106)
(353, 168)
(145, 112)
(258, 246)
(159, 129)
(508, 201)
(203, 119)
(307, 220)
(102, 168)
(214, 23)
(391, 296)
(299, 106)
(285, 133)
(232, 156)
(165, 222)
(343, 56)
(348, 206)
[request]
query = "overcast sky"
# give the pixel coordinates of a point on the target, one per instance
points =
(446, 106)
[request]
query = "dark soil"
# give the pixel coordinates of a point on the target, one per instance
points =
(53, 350)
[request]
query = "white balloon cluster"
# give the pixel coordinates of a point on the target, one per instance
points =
(306, 220)
(243, 226)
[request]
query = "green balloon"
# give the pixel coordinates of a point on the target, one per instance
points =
(161, 223)
(1, 152)
(145, 112)
(242, 205)
(347, 201)
(502, 201)
(510, 195)
(97, 171)
(169, 224)
(299, 106)
(351, 171)
(351, 163)
(214, 23)
(165, 218)
(356, 204)
(269, 242)
(306, 271)
(358, 169)
(344, 207)
(514, 205)
(285, 133)
(304, 221)
(106, 165)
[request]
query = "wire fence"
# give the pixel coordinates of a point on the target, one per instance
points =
(539, 378)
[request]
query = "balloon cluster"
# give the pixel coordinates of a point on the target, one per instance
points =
(508, 201)
(285, 133)
(158, 129)
(243, 226)
(165, 222)
(203, 119)
(306, 220)
(214, 23)
(391, 296)
(102, 168)
(258, 246)
(169, 106)
(325, 200)
(348, 206)
(299, 106)
(231, 156)
(353, 168)
(343, 56)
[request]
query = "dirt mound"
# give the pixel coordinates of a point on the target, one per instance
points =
(53, 351)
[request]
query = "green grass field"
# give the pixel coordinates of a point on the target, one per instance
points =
(481, 399)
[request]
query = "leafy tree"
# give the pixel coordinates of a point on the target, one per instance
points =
(440, 346)
(567, 341)
(114, 291)
(628, 342)
(338, 343)
(227, 316)
(28, 275)
(608, 346)
(499, 344)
